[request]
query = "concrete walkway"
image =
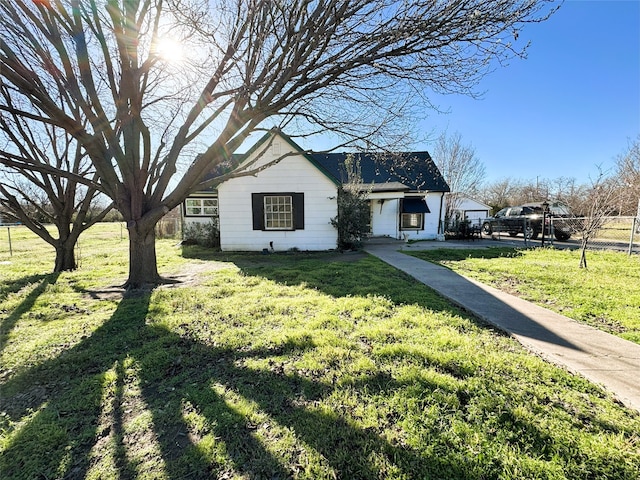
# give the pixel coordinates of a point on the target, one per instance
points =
(600, 357)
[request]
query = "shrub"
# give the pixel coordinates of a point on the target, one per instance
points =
(352, 221)
(203, 234)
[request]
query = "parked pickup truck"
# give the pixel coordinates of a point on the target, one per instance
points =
(527, 219)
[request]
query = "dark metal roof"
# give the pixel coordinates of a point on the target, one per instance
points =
(414, 170)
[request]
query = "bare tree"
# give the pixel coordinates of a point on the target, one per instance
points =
(461, 169)
(498, 194)
(509, 191)
(357, 68)
(37, 198)
(628, 175)
(599, 202)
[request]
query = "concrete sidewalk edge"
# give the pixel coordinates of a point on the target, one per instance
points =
(604, 359)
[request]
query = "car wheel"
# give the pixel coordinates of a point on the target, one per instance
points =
(562, 237)
(531, 233)
(486, 228)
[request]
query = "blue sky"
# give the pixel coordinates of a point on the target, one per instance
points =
(572, 105)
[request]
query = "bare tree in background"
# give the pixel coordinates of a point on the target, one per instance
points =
(599, 202)
(360, 69)
(36, 197)
(461, 169)
(509, 191)
(500, 193)
(628, 175)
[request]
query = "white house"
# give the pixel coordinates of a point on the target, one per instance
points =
(291, 196)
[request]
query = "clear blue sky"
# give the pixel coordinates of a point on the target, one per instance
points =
(570, 106)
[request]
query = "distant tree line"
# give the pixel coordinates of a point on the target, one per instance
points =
(620, 185)
(616, 190)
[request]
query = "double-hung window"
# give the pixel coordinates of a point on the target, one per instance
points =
(412, 220)
(278, 211)
(201, 207)
(413, 210)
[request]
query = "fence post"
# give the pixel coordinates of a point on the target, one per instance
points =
(633, 234)
(10, 246)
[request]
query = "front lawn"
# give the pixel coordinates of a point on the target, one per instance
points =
(606, 295)
(307, 366)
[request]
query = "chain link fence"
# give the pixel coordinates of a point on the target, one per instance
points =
(607, 233)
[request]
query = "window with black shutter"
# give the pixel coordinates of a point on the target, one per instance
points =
(278, 211)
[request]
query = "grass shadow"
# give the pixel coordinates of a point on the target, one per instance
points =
(439, 255)
(78, 409)
(335, 274)
(8, 323)
(150, 401)
(15, 285)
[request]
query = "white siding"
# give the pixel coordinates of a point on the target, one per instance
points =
(293, 174)
(385, 218)
(433, 220)
(472, 209)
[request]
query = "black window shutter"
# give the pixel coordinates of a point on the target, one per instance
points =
(257, 207)
(298, 211)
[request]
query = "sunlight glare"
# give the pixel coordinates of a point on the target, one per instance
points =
(170, 50)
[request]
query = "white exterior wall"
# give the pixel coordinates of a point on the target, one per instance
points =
(385, 217)
(294, 174)
(472, 209)
(431, 220)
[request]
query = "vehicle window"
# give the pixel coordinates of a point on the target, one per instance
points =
(515, 211)
(502, 212)
(560, 210)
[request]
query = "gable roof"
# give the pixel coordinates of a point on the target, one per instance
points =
(388, 171)
(237, 159)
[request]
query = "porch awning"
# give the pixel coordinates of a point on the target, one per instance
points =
(415, 205)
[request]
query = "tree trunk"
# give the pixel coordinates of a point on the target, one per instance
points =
(143, 265)
(65, 257)
(66, 244)
(583, 253)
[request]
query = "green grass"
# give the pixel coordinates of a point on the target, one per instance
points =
(306, 366)
(606, 295)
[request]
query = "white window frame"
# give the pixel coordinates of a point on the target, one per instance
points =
(278, 212)
(201, 207)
